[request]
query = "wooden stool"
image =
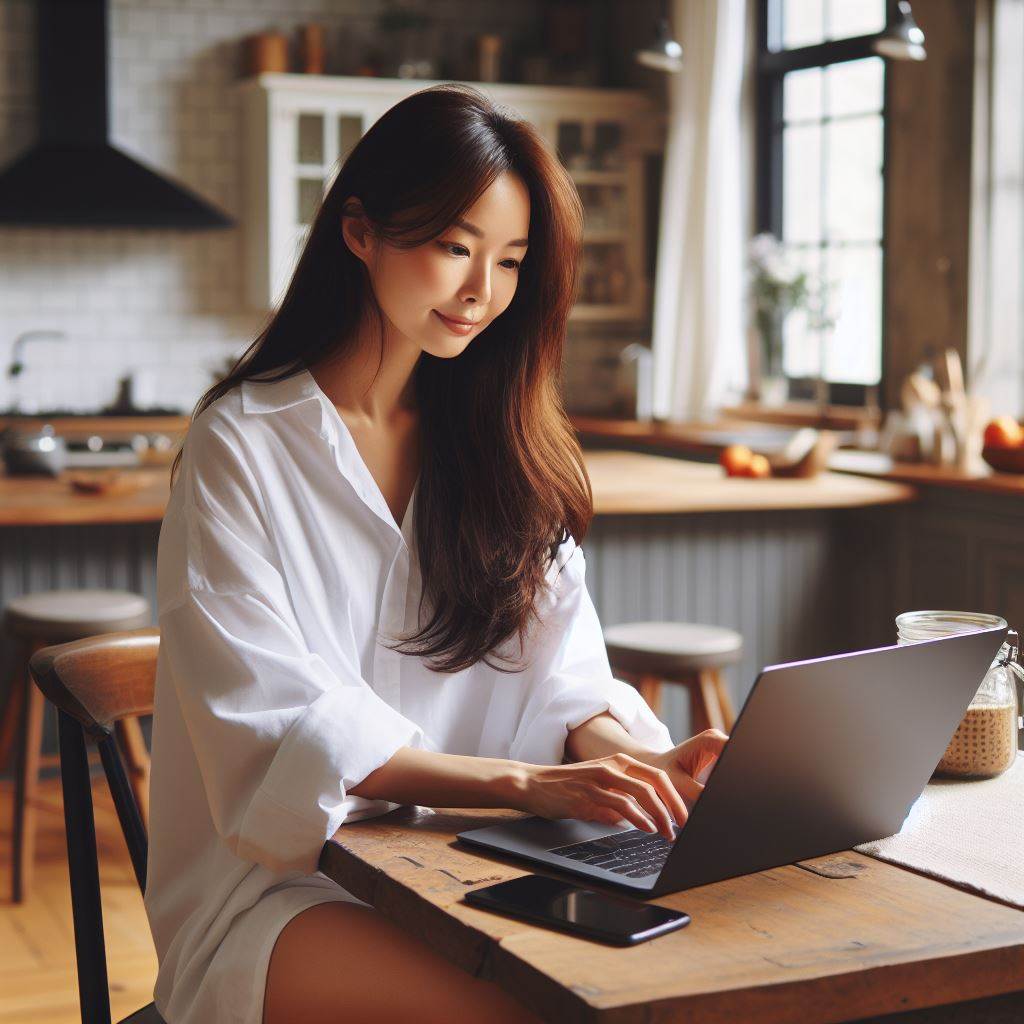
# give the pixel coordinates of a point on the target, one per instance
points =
(647, 654)
(39, 620)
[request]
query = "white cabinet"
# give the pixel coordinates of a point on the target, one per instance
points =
(298, 129)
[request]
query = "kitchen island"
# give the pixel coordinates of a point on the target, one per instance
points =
(670, 539)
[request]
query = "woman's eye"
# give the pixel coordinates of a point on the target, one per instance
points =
(455, 249)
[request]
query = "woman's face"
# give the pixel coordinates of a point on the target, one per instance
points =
(468, 273)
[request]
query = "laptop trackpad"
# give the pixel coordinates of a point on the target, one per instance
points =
(535, 834)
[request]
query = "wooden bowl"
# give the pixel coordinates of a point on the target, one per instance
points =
(1004, 460)
(812, 462)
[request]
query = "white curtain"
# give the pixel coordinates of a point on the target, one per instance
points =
(996, 284)
(699, 352)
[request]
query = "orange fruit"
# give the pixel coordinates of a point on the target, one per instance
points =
(1004, 432)
(736, 459)
(759, 467)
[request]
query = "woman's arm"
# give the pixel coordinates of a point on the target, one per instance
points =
(433, 779)
(609, 789)
(602, 735)
(415, 776)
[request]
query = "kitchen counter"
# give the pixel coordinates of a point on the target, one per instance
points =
(631, 483)
(624, 483)
(99, 424)
(52, 501)
(881, 467)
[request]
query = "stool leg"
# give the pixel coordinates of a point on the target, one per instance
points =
(698, 708)
(724, 702)
(9, 725)
(650, 690)
(26, 784)
(709, 698)
(133, 744)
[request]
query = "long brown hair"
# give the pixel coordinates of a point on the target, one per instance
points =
(502, 482)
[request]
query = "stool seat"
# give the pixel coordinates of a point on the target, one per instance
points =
(671, 649)
(36, 620)
(63, 615)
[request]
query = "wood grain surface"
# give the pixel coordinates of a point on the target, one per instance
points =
(623, 482)
(834, 939)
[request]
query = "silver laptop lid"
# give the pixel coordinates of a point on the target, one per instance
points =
(827, 754)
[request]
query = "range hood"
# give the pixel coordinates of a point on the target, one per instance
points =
(73, 176)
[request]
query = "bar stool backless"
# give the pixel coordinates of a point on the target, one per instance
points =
(648, 654)
(31, 622)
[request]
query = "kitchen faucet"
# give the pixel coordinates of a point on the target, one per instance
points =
(17, 364)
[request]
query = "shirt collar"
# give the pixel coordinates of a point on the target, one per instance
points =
(261, 396)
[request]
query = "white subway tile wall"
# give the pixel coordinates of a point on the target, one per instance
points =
(163, 299)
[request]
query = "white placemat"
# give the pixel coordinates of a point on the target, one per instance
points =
(970, 833)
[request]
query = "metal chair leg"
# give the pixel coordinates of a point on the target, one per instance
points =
(86, 908)
(133, 745)
(127, 810)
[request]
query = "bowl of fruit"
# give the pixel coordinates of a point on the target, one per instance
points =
(805, 455)
(1004, 445)
(739, 460)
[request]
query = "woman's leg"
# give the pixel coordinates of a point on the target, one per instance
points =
(340, 962)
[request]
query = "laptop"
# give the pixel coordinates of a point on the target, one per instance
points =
(826, 754)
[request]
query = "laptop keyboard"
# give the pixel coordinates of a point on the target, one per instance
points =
(633, 853)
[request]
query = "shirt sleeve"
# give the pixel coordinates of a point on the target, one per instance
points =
(280, 735)
(571, 678)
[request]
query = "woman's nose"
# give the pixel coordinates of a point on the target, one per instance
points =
(477, 287)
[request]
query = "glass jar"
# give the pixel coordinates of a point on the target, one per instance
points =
(985, 742)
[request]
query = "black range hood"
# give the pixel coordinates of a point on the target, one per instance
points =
(73, 176)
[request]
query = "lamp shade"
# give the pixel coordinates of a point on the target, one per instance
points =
(664, 53)
(901, 39)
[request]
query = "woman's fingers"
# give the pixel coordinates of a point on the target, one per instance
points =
(646, 795)
(626, 807)
(686, 786)
(662, 782)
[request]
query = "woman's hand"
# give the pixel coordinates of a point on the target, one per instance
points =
(689, 764)
(606, 789)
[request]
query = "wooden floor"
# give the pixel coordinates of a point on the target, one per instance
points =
(38, 983)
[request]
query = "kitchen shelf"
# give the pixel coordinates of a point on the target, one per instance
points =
(300, 128)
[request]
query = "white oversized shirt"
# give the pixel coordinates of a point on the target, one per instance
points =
(279, 560)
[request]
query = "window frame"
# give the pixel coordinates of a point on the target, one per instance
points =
(772, 66)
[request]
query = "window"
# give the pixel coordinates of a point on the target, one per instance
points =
(821, 174)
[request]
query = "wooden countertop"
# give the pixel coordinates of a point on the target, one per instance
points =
(882, 467)
(624, 483)
(72, 426)
(52, 501)
(631, 483)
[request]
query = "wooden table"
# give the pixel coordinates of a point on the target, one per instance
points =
(838, 938)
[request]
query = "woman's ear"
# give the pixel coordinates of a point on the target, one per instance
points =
(356, 230)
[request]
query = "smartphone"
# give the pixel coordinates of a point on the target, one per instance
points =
(547, 901)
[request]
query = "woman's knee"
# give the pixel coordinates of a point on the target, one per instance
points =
(339, 961)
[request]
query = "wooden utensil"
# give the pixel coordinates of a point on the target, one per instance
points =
(111, 481)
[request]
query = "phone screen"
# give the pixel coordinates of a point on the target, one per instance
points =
(563, 905)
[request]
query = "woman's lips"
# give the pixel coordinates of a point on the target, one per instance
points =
(453, 325)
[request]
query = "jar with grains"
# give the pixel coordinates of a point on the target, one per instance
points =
(985, 742)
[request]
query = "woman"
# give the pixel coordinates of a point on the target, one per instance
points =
(370, 588)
